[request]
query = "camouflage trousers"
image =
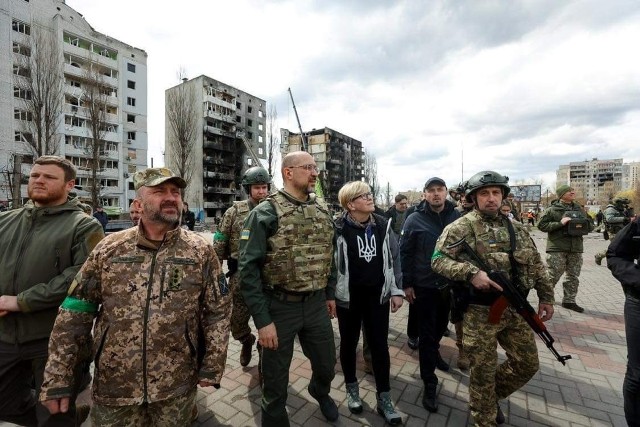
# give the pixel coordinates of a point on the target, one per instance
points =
(603, 254)
(570, 264)
(175, 412)
(240, 312)
(488, 381)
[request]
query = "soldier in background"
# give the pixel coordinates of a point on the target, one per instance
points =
(151, 290)
(565, 244)
(616, 216)
(288, 279)
(504, 246)
(226, 239)
(43, 246)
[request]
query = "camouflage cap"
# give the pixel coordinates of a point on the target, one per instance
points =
(155, 176)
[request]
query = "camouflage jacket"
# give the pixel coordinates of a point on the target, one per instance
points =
(614, 219)
(149, 303)
(227, 237)
(558, 239)
(489, 237)
(41, 252)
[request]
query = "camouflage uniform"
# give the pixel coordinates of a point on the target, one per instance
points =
(226, 243)
(287, 275)
(564, 252)
(150, 302)
(614, 221)
(489, 237)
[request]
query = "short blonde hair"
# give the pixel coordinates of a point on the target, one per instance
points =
(350, 191)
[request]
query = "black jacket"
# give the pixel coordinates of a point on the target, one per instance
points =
(417, 243)
(623, 250)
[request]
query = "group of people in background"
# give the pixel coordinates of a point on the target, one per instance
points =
(152, 309)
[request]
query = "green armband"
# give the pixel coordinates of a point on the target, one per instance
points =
(219, 237)
(79, 305)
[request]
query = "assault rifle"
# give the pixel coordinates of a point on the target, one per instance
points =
(512, 296)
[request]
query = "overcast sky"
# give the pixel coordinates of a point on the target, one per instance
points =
(431, 88)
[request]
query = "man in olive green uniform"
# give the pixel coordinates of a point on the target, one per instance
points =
(615, 216)
(255, 181)
(147, 293)
(43, 246)
(505, 246)
(565, 242)
(288, 282)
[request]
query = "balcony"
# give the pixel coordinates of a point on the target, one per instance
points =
(215, 131)
(219, 175)
(220, 102)
(218, 146)
(218, 190)
(222, 117)
(215, 205)
(207, 160)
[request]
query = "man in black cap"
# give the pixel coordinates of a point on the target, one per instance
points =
(424, 288)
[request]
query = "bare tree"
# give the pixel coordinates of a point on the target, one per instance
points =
(94, 101)
(181, 108)
(273, 141)
(38, 78)
(371, 174)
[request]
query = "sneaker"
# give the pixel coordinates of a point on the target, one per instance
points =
(598, 258)
(327, 405)
(353, 398)
(441, 364)
(413, 343)
(573, 306)
(429, 397)
(247, 346)
(463, 361)
(499, 415)
(385, 408)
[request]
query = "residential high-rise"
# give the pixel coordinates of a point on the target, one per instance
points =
(84, 57)
(339, 157)
(226, 118)
(595, 181)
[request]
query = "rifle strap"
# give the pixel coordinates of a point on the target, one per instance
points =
(512, 260)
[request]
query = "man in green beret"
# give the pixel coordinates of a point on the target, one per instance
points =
(565, 222)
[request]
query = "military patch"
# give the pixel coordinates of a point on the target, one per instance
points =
(175, 279)
(181, 261)
(222, 284)
(128, 259)
(244, 234)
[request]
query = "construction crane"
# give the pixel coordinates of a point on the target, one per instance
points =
(247, 144)
(303, 138)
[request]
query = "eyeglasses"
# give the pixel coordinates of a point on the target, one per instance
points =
(363, 196)
(308, 168)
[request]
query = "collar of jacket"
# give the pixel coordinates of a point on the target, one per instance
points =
(492, 219)
(169, 238)
(72, 204)
(426, 208)
(311, 200)
(380, 222)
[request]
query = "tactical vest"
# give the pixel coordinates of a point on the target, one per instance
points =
(242, 212)
(615, 227)
(299, 255)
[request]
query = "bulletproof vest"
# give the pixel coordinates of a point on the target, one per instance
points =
(242, 212)
(299, 255)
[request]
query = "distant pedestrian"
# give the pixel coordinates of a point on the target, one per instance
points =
(101, 216)
(188, 217)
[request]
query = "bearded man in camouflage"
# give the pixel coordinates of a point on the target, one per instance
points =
(288, 281)
(152, 290)
(256, 181)
(505, 246)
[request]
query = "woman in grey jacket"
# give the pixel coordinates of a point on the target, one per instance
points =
(369, 283)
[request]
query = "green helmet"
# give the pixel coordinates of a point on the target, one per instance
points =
(621, 201)
(486, 179)
(255, 175)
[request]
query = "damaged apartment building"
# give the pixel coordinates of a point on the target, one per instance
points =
(229, 138)
(339, 158)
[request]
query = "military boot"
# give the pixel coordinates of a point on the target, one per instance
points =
(247, 346)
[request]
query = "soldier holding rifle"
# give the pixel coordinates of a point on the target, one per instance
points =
(503, 246)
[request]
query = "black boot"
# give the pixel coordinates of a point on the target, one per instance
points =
(429, 397)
